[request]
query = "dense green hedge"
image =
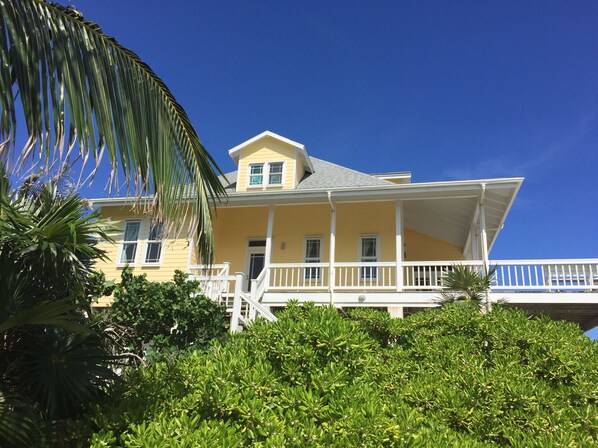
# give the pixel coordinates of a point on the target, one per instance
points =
(158, 319)
(445, 377)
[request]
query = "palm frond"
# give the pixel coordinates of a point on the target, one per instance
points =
(466, 284)
(77, 84)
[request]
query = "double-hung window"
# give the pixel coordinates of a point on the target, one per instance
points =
(256, 174)
(153, 249)
(313, 255)
(369, 254)
(275, 173)
(130, 242)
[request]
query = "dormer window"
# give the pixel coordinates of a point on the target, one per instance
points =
(272, 172)
(256, 174)
(275, 174)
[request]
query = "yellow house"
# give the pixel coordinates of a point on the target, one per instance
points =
(297, 227)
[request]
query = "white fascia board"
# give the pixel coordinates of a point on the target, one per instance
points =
(430, 190)
(506, 212)
(424, 190)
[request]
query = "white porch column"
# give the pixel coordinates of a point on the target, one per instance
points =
(484, 238)
(268, 254)
(399, 244)
(331, 270)
(475, 244)
(234, 319)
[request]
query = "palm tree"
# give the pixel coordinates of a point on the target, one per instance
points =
(79, 88)
(52, 363)
(466, 284)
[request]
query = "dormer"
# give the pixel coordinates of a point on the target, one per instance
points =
(270, 162)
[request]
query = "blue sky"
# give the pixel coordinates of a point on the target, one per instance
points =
(447, 90)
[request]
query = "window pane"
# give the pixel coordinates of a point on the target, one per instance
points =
(312, 249)
(255, 180)
(131, 231)
(276, 168)
(155, 232)
(312, 255)
(153, 252)
(128, 253)
(257, 243)
(275, 179)
(275, 176)
(256, 172)
(368, 247)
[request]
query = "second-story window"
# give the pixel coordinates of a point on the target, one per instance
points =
(256, 174)
(275, 173)
(153, 250)
(130, 239)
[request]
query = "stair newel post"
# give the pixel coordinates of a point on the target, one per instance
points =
(235, 317)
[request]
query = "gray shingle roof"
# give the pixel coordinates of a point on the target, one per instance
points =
(325, 175)
(329, 175)
(231, 177)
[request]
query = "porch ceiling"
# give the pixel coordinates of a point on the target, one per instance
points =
(450, 219)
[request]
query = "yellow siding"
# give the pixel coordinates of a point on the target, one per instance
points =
(421, 247)
(233, 227)
(292, 224)
(360, 219)
(176, 250)
(263, 151)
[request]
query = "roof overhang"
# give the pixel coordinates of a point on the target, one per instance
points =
(444, 210)
(236, 151)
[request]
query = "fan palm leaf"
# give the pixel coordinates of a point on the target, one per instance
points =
(466, 284)
(77, 85)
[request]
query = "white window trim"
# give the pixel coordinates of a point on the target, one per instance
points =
(360, 254)
(283, 163)
(266, 174)
(264, 170)
(122, 243)
(146, 245)
(321, 256)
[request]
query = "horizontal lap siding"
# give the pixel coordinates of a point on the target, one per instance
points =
(233, 227)
(358, 219)
(421, 247)
(264, 151)
(292, 224)
(175, 256)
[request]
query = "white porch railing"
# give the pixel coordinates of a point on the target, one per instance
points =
(299, 276)
(546, 275)
(551, 276)
(429, 275)
(362, 276)
(511, 275)
(215, 282)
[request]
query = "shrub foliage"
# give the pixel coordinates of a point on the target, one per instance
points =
(445, 377)
(161, 316)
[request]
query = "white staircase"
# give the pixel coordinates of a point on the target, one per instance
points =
(243, 307)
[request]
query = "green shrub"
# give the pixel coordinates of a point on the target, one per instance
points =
(159, 317)
(445, 377)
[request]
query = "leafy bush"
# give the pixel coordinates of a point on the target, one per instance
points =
(445, 377)
(160, 316)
